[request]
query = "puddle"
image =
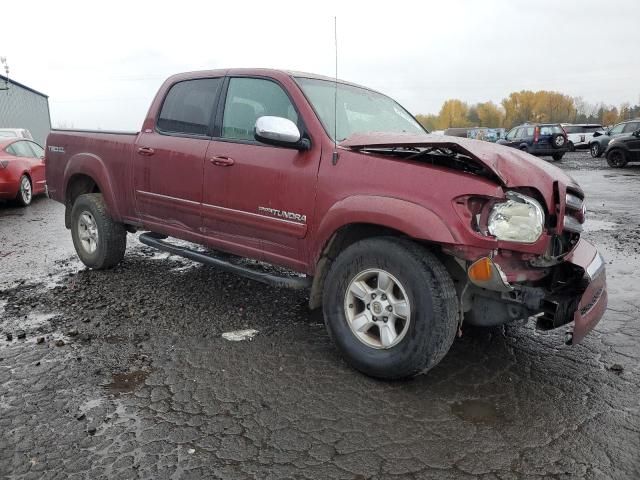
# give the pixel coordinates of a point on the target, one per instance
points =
(127, 382)
(594, 225)
(476, 411)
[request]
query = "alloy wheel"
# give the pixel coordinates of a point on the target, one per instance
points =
(88, 232)
(25, 190)
(377, 308)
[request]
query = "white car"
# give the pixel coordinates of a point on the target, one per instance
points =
(16, 133)
(579, 135)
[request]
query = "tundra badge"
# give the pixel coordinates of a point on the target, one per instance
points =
(296, 217)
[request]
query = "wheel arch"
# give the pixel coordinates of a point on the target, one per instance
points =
(86, 173)
(359, 217)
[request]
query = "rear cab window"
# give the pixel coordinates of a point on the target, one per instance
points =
(188, 107)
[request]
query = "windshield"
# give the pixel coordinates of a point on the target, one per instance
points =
(358, 110)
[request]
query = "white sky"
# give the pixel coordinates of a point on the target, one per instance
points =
(101, 62)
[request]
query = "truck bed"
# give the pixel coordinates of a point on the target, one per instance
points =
(102, 154)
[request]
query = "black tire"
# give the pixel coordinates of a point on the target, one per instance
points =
(595, 150)
(524, 148)
(557, 156)
(25, 192)
(111, 240)
(572, 147)
(617, 158)
(433, 318)
(558, 140)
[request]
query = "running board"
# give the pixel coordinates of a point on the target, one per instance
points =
(157, 241)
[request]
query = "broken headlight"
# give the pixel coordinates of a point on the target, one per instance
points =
(519, 219)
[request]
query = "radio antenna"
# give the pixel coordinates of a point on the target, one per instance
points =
(335, 95)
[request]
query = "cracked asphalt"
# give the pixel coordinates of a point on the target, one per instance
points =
(124, 374)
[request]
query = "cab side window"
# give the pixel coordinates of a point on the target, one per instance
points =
(251, 98)
(188, 107)
(631, 127)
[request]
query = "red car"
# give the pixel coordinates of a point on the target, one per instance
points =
(21, 170)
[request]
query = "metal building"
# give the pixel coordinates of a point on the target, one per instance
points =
(24, 107)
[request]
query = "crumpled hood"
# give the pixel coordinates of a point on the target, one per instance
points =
(514, 167)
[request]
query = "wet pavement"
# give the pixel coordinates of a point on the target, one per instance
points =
(124, 373)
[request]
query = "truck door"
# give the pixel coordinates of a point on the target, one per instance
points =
(168, 162)
(258, 199)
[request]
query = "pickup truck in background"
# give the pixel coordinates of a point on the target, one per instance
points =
(401, 237)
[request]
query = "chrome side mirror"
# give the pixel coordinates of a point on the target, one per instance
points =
(279, 131)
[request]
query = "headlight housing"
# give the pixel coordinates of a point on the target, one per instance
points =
(519, 219)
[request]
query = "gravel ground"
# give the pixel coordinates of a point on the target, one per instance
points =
(124, 374)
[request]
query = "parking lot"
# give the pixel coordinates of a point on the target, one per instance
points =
(124, 373)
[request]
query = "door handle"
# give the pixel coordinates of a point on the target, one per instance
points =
(146, 151)
(222, 161)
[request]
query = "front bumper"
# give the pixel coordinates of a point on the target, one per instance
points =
(593, 301)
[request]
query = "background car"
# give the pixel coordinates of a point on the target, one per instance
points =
(600, 140)
(22, 172)
(623, 149)
(15, 133)
(539, 139)
(580, 134)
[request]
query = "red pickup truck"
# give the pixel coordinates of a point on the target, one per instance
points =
(402, 237)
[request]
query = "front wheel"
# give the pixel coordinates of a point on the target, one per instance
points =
(390, 307)
(594, 149)
(616, 158)
(99, 241)
(557, 156)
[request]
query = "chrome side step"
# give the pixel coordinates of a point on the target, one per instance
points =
(157, 241)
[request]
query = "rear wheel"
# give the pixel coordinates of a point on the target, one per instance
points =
(558, 140)
(390, 307)
(594, 148)
(617, 158)
(99, 241)
(25, 192)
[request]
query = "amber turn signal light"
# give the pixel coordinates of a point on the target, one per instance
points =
(481, 270)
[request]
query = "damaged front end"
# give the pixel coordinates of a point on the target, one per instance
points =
(564, 284)
(519, 252)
